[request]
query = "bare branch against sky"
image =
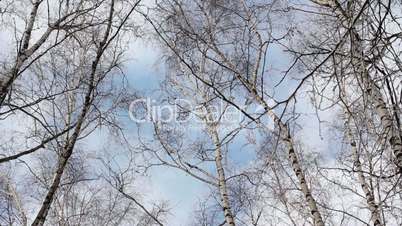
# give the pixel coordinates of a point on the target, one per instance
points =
(200, 112)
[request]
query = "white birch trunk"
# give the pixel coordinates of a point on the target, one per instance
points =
(371, 203)
(301, 176)
(21, 56)
(371, 90)
(212, 130)
(297, 169)
(68, 150)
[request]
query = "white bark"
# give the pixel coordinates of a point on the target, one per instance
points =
(297, 169)
(21, 57)
(371, 90)
(221, 176)
(371, 203)
(301, 176)
(66, 153)
(284, 136)
(386, 121)
(68, 149)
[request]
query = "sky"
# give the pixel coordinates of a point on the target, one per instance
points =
(145, 70)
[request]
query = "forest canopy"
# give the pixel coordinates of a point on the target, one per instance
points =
(201, 112)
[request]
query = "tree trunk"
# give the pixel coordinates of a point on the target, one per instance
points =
(66, 154)
(371, 88)
(212, 130)
(68, 150)
(373, 207)
(287, 139)
(300, 175)
(21, 56)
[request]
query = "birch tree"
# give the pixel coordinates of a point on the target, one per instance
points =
(212, 33)
(71, 75)
(349, 65)
(94, 78)
(192, 155)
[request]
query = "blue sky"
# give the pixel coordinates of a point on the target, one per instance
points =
(145, 70)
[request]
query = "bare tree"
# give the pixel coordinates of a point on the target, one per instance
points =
(95, 76)
(204, 39)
